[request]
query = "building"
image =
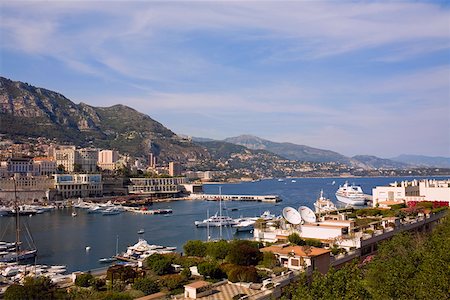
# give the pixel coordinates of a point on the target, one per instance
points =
(26, 187)
(78, 185)
(411, 192)
(301, 258)
(19, 165)
(72, 159)
(44, 166)
(107, 159)
(66, 157)
(88, 159)
(174, 169)
(157, 187)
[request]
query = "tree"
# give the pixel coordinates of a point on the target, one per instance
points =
(244, 253)
(217, 250)
(77, 168)
(61, 169)
(146, 285)
(159, 264)
(294, 238)
(32, 288)
(195, 248)
(243, 274)
(211, 270)
(269, 260)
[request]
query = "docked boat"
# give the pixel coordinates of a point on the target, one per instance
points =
(141, 231)
(245, 224)
(351, 194)
(323, 205)
(111, 211)
(216, 221)
(142, 249)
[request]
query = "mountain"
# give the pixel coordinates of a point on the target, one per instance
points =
(289, 150)
(28, 111)
(373, 162)
(424, 161)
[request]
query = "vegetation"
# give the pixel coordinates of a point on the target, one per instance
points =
(244, 253)
(160, 264)
(146, 285)
(211, 270)
(84, 280)
(195, 248)
(32, 288)
(409, 266)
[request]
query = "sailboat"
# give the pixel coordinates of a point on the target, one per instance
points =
(19, 254)
(112, 258)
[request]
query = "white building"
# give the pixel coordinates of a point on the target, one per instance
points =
(156, 185)
(70, 157)
(78, 185)
(412, 192)
(44, 166)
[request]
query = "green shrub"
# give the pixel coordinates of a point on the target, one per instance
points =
(313, 242)
(160, 264)
(269, 260)
(217, 250)
(195, 248)
(116, 296)
(146, 285)
(84, 280)
(211, 270)
(172, 281)
(294, 238)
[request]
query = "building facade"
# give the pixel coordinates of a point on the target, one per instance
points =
(78, 185)
(44, 166)
(107, 159)
(157, 186)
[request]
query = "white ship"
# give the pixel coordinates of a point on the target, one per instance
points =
(323, 205)
(216, 221)
(351, 194)
(141, 250)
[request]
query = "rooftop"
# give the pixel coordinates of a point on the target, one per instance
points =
(297, 250)
(197, 284)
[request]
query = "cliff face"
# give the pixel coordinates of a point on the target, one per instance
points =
(28, 111)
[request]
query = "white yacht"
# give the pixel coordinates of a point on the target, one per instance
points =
(142, 250)
(216, 221)
(351, 194)
(323, 205)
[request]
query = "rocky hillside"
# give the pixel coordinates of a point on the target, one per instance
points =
(289, 150)
(373, 162)
(424, 161)
(28, 111)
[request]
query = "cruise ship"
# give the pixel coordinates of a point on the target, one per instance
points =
(351, 194)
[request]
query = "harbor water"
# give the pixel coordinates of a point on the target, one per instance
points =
(62, 239)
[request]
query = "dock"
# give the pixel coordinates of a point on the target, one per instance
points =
(217, 197)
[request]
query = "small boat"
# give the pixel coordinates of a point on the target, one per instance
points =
(293, 180)
(88, 248)
(74, 214)
(141, 231)
(107, 260)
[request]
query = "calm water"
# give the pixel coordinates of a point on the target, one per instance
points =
(61, 239)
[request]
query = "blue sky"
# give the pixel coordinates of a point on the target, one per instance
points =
(353, 77)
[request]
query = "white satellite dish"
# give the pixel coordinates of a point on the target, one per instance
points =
(307, 214)
(292, 215)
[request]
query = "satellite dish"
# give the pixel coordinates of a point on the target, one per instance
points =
(307, 214)
(292, 215)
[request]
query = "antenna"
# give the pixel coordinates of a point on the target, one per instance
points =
(307, 214)
(292, 215)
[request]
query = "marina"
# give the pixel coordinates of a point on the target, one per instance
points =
(62, 239)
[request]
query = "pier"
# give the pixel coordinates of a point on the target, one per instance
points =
(258, 198)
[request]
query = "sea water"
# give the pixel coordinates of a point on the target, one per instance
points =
(62, 239)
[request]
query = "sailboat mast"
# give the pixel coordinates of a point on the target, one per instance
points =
(117, 245)
(220, 211)
(16, 207)
(207, 224)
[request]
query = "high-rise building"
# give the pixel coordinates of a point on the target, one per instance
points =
(174, 169)
(107, 159)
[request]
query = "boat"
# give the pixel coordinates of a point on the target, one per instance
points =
(323, 205)
(293, 180)
(280, 180)
(141, 231)
(111, 259)
(18, 254)
(74, 214)
(216, 221)
(351, 194)
(142, 249)
(111, 211)
(245, 224)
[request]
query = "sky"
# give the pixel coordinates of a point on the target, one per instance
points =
(359, 77)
